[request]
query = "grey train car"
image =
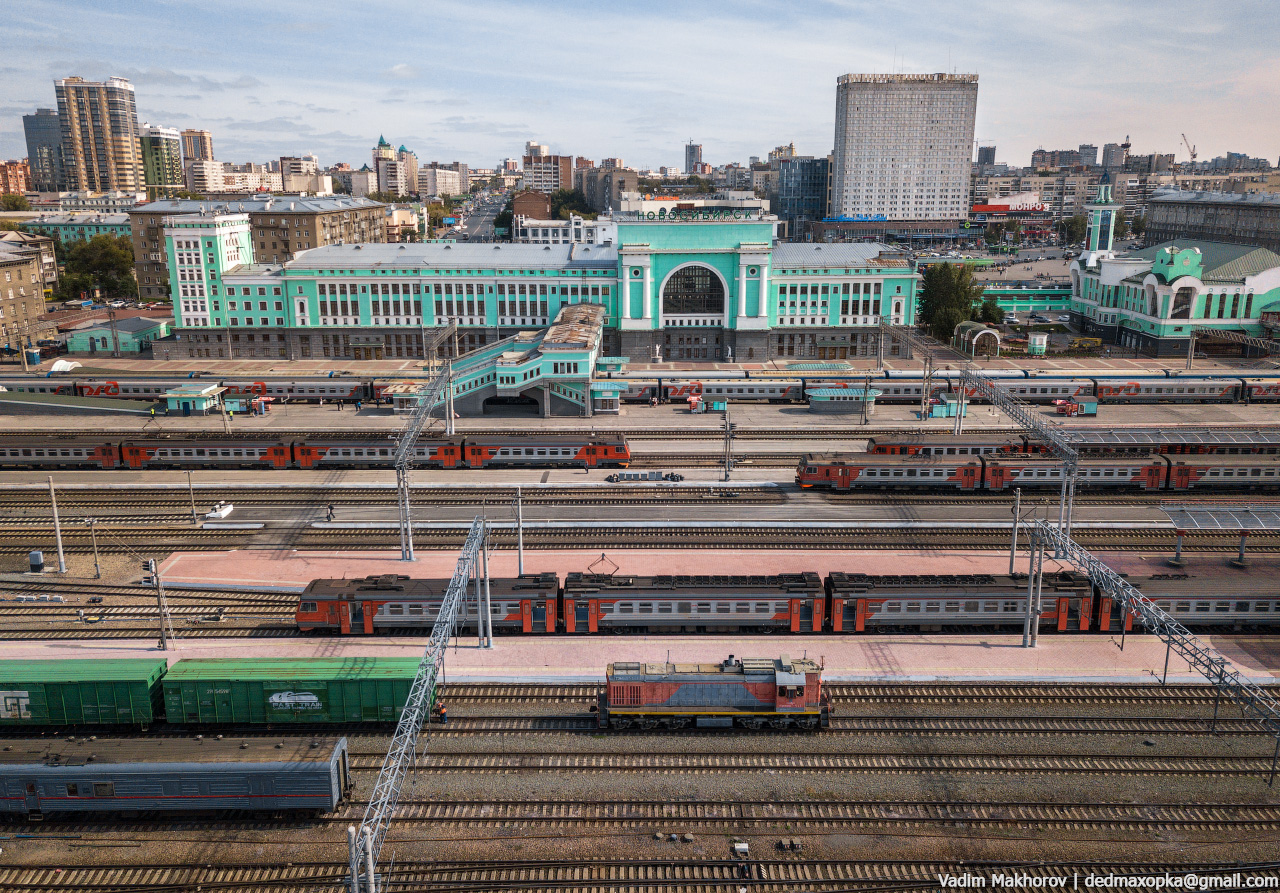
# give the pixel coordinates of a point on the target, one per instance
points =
(168, 775)
(624, 604)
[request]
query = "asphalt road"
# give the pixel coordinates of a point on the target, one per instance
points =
(478, 226)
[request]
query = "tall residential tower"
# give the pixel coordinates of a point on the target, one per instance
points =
(101, 150)
(44, 150)
(903, 145)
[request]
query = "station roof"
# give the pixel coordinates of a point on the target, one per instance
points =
(835, 254)
(434, 255)
(609, 387)
(1224, 516)
(818, 367)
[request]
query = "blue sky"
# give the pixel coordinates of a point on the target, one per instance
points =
(472, 81)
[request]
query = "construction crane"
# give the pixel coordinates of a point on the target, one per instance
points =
(1190, 148)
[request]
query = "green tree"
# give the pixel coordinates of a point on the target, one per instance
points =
(995, 233)
(1122, 225)
(504, 218)
(990, 312)
(387, 198)
(570, 201)
(188, 194)
(1013, 229)
(947, 298)
(1074, 228)
(8, 225)
(13, 202)
(1138, 225)
(104, 263)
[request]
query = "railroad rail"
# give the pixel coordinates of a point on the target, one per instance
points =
(579, 875)
(684, 762)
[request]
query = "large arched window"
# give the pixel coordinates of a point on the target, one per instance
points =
(693, 290)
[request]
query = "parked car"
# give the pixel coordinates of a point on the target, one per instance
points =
(1064, 318)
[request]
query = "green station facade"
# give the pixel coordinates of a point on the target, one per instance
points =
(711, 286)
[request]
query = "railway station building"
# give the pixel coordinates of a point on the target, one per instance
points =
(697, 285)
(1153, 299)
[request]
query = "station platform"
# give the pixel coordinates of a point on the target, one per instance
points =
(296, 569)
(756, 418)
(893, 658)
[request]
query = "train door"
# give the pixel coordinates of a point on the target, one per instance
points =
(527, 611)
(860, 616)
(1064, 609)
(797, 608)
(1086, 613)
(818, 619)
(842, 477)
(32, 795)
(344, 618)
(550, 614)
(837, 614)
(570, 617)
(593, 615)
(1181, 477)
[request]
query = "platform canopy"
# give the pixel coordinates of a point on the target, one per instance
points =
(1228, 516)
(1152, 436)
(820, 367)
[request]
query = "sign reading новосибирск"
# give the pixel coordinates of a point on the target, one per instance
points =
(697, 214)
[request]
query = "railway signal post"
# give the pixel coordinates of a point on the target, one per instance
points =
(57, 528)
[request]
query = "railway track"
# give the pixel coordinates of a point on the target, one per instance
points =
(586, 875)
(131, 539)
(683, 762)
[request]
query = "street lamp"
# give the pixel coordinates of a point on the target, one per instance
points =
(93, 535)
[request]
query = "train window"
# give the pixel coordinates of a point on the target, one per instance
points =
(1263, 607)
(932, 608)
(606, 608)
(664, 607)
(397, 609)
(724, 607)
(1184, 607)
(307, 607)
(415, 609)
(626, 608)
(741, 608)
(704, 608)
(104, 789)
(1202, 607)
(913, 607)
(762, 607)
(645, 608)
(542, 452)
(971, 607)
(682, 607)
(1010, 607)
(1242, 607)
(953, 608)
(1221, 607)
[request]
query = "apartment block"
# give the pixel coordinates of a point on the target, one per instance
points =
(279, 228)
(101, 150)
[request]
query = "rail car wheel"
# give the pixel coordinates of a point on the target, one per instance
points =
(752, 722)
(619, 722)
(648, 723)
(679, 722)
(779, 723)
(807, 725)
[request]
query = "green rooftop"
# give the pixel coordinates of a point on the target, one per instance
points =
(275, 670)
(77, 670)
(1222, 261)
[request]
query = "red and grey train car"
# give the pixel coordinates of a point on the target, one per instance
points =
(746, 692)
(997, 472)
(847, 603)
(396, 603)
(544, 451)
(917, 602)
(1089, 443)
(696, 604)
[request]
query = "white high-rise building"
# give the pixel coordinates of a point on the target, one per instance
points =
(903, 146)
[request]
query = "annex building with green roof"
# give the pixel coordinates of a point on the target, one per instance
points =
(1152, 300)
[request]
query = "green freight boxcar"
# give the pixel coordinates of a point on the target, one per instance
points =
(369, 689)
(80, 692)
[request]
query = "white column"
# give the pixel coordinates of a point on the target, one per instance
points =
(742, 290)
(648, 288)
(624, 292)
(763, 311)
